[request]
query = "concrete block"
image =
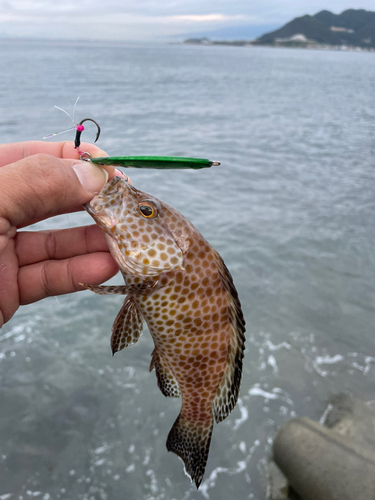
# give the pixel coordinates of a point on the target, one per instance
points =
(321, 464)
(277, 483)
(352, 418)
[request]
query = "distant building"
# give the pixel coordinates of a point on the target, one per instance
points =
(342, 30)
(298, 37)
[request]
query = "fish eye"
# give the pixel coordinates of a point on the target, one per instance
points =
(148, 209)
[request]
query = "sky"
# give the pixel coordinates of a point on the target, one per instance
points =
(137, 20)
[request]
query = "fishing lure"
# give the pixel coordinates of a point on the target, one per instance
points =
(155, 162)
(159, 162)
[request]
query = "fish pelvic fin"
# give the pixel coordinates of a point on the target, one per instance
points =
(140, 289)
(166, 380)
(127, 327)
(190, 440)
(227, 393)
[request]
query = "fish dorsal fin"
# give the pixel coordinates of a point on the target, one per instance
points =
(227, 392)
(166, 381)
(127, 327)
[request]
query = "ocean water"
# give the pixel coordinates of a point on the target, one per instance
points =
(291, 210)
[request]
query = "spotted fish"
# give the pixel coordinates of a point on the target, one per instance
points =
(180, 286)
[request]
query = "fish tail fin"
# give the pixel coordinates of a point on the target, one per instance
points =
(190, 440)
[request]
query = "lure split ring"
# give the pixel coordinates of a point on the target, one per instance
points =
(85, 156)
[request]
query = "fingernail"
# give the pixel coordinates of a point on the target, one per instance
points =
(124, 176)
(91, 177)
(121, 174)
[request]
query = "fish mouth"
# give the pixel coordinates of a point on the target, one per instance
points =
(89, 210)
(116, 187)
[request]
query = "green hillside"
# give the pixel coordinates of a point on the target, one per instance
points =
(350, 19)
(324, 28)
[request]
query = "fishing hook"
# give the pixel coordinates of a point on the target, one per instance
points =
(81, 128)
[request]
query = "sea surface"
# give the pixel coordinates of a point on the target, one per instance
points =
(292, 211)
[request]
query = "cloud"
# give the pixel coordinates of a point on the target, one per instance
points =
(203, 18)
(147, 19)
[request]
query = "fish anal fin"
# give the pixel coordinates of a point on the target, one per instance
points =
(191, 442)
(166, 380)
(127, 327)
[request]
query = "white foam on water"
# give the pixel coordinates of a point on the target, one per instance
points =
(244, 415)
(364, 369)
(20, 338)
(211, 481)
(242, 446)
(284, 395)
(99, 462)
(276, 347)
(272, 362)
(101, 449)
(154, 484)
(256, 391)
(325, 414)
(241, 466)
(357, 366)
(146, 461)
(130, 370)
(326, 360)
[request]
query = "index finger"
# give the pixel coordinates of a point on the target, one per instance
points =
(10, 153)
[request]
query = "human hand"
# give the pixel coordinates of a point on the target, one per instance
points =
(39, 180)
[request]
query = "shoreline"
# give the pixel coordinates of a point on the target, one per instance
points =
(250, 43)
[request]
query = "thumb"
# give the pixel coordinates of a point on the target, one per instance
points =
(42, 186)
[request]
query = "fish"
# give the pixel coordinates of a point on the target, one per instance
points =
(179, 285)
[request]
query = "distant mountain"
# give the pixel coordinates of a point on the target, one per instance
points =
(312, 28)
(368, 32)
(351, 27)
(350, 19)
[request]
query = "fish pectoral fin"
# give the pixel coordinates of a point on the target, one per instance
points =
(191, 442)
(166, 380)
(118, 290)
(127, 327)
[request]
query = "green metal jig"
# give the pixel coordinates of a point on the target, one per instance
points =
(159, 162)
